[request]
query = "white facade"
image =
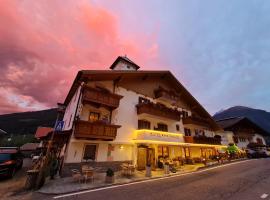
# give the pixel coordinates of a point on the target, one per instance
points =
(123, 147)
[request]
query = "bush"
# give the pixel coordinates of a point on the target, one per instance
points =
(110, 172)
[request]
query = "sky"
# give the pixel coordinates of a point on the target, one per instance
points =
(219, 50)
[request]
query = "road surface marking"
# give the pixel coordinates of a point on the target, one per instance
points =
(264, 196)
(149, 180)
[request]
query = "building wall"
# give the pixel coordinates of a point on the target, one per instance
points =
(84, 115)
(192, 128)
(119, 152)
(126, 116)
(258, 136)
(226, 137)
(70, 110)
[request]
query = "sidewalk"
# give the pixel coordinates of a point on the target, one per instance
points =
(67, 185)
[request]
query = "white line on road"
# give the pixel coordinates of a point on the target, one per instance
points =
(145, 181)
(263, 196)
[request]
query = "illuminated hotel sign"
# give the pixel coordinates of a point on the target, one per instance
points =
(159, 136)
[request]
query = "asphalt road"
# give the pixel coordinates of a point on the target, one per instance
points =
(248, 180)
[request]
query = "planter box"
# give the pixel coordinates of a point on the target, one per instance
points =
(109, 179)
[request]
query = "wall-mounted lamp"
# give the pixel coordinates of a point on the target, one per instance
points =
(121, 147)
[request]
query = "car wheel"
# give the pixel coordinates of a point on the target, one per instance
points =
(20, 166)
(12, 172)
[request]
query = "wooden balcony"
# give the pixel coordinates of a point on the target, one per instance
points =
(95, 130)
(202, 140)
(196, 120)
(164, 94)
(158, 110)
(101, 96)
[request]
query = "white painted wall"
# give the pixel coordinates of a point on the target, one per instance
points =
(254, 139)
(124, 66)
(226, 137)
(125, 115)
(70, 110)
(121, 152)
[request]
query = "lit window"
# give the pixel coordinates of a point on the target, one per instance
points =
(93, 116)
(143, 124)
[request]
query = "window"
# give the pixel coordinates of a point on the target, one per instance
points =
(93, 116)
(90, 152)
(177, 127)
(143, 100)
(162, 127)
(187, 132)
(185, 114)
(143, 124)
(163, 151)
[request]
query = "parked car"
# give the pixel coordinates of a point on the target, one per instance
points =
(257, 153)
(11, 160)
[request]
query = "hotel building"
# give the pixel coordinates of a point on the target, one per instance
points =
(129, 115)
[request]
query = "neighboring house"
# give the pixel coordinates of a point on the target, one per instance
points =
(244, 130)
(130, 115)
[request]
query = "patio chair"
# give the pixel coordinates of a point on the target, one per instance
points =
(77, 176)
(88, 175)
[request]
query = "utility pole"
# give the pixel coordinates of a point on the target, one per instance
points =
(45, 159)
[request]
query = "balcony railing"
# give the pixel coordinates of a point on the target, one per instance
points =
(202, 140)
(158, 110)
(196, 120)
(95, 130)
(101, 96)
(166, 94)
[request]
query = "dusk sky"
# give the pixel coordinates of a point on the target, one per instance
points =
(219, 50)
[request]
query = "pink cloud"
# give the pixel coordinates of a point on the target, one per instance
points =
(44, 43)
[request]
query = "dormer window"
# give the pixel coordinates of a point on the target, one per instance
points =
(124, 63)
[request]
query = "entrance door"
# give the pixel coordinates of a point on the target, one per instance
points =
(151, 157)
(141, 158)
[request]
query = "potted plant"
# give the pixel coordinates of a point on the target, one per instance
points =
(109, 176)
(148, 172)
(166, 168)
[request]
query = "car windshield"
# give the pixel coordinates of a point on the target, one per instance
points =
(5, 156)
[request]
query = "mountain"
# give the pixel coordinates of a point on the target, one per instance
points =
(27, 122)
(259, 117)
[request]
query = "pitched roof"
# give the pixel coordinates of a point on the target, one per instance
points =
(232, 121)
(106, 75)
(126, 59)
(43, 132)
(228, 122)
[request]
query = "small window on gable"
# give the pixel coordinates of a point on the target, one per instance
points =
(177, 127)
(144, 124)
(143, 100)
